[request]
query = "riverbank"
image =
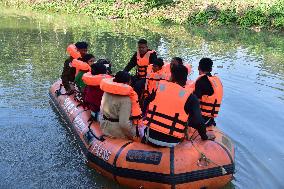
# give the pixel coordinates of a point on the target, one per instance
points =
(38, 151)
(252, 14)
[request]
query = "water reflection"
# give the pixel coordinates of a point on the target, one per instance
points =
(36, 151)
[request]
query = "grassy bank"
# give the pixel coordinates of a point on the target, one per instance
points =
(106, 37)
(256, 14)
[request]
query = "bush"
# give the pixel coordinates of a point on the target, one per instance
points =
(253, 17)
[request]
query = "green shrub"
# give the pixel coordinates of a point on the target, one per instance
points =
(204, 17)
(227, 17)
(253, 17)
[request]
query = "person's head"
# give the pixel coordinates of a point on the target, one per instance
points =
(82, 47)
(179, 74)
(176, 61)
(158, 64)
(89, 59)
(98, 68)
(107, 63)
(122, 77)
(205, 66)
(142, 46)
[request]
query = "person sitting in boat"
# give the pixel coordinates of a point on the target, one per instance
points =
(88, 59)
(209, 91)
(155, 73)
(76, 51)
(119, 107)
(168, 114)
(92, 91)
(175, 61)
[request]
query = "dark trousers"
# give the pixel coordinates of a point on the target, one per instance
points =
(138, 85)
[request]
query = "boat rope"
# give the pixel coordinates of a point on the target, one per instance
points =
(204, 158)
(100, 138)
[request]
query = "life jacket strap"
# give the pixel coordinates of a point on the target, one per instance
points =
(174, 119)
(171, 127)
(209, 104)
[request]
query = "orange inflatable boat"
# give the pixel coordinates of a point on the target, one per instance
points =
(192, 164)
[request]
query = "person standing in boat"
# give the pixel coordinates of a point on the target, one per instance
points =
(120, 110)
(209, 91)
(141, 59)
(76, 51)
(168, 114)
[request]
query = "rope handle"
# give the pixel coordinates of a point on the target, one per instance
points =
(207, 160)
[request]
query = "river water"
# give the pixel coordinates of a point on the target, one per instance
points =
(38, 151)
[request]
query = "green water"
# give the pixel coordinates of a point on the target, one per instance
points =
(36, 149)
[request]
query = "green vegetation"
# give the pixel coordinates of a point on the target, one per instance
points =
(255, 14)
(116, 39)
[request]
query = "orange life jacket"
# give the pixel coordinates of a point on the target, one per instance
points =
(153, 78)
(80, 66)
(210, 105)
(73, 51)
(142, 63)
(167, 70)
(94, 80)
(190, 85)
(109, 86)
(166, 112)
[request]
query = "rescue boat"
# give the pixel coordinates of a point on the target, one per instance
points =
(192, 164)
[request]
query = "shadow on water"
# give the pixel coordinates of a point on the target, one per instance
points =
(36, 152)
